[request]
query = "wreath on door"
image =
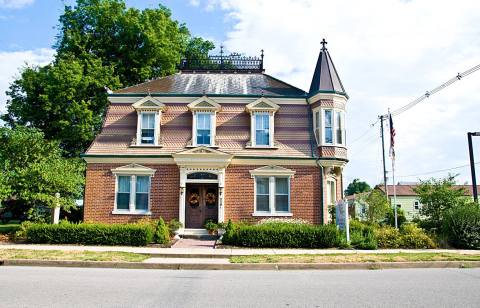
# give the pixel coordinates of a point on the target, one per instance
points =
(210, 198)
(193, 200)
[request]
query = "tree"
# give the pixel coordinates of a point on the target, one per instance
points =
(356, 187)
(66, 100)
(37, 170)
(437, 196)
(378, 205)
(101, 43)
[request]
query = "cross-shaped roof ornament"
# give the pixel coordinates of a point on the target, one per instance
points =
(323, 42)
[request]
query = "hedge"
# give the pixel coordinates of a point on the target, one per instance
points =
(283, 235)
(462, 226)
(409, 236)
(90, 234)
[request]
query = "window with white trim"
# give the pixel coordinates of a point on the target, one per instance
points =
(147, 128)
(132, 194)
(203, 129)
(329, 126)
(272, 195)
(262, 128)
(331, 193)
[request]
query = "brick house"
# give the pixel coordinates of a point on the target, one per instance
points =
(220, 140)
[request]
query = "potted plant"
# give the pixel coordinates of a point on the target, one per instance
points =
(211, 226)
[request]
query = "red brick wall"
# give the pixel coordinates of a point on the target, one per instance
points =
(305, 197)
(100, 194)
(305, 193)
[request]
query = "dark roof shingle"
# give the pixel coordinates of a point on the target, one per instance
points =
(216, 83)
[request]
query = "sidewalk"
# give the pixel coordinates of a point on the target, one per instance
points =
(221, 253)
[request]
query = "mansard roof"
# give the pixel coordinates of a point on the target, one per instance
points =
(325, 77)
(204, 83)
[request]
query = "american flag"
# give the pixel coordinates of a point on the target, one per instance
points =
(392, 137)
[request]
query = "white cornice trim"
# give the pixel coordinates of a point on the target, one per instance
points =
(133, 169)
(254, 106)
(195, 105)
(156, 104)
(330, 96)
(272, 171)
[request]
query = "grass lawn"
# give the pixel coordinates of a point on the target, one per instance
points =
(352, 258)
(9, 254)
(8, 228)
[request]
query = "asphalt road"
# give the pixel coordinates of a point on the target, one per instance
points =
(83, 287)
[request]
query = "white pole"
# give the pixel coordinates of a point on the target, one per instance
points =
(394, 194)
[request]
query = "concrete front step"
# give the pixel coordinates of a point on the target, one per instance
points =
(199, 234)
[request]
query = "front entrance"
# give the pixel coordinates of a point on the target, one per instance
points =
(201, 203)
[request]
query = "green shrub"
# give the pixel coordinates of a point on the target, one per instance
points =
(362, 235)
(462, 226)
(174, 225)
(387, 237)
(162, 233)
(9, 228)
(390, 217)
(89, 234)
(211, 226)
(283, 235)
(413, 237)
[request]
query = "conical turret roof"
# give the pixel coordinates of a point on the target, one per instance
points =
(325, 78)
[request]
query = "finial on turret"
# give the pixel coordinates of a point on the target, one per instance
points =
(324, 43)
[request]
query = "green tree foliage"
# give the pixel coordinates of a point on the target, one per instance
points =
(66, 100)
(36, 170)
(378, 205)
(390, 217)
(438, 196)
(356, 187)
(101, 43)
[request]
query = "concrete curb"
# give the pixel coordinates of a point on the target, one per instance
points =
(243, 266)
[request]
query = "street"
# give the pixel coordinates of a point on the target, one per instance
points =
(84, 287)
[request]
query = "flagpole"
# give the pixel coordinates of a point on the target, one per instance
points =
(394, 194)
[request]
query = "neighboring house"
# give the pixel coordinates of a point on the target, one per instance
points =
(409, 201)
(357, 207)
(220, 140)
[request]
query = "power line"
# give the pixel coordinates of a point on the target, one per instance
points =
(435, 90)
(364, 133)
(436, 171)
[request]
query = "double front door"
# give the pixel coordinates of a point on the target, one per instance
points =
(201, 204)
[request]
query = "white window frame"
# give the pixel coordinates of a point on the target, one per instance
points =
(320, 131)
(253, 128)
(331, 188)
(213, 124)
(133, 193)
(272, 194)
(156, 128)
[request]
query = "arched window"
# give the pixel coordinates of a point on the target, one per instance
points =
(202, 176)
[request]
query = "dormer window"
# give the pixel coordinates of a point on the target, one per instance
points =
(262, 112)
(329, 126)
(204, 111)
(149, 111)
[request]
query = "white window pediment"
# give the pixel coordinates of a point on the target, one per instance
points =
(149, 112)
(204, 121)
(272, 171)
(148, 103)
(135, 169)
(262, 112)
(204, 103)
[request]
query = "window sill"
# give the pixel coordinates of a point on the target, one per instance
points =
(265, 214)
(117, 212)
(262, 147)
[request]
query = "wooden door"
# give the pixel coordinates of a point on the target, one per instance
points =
(201, 203)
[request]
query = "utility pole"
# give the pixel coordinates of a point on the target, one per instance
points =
(381, 117)
(472, 165)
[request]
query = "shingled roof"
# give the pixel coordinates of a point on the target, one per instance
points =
(216, 83)
(325, 78)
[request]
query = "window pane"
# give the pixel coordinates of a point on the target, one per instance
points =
(338, 127)
(143, 182)
(328, 135)
(328, 118)
(262, 129)
(263, 203)
(141, 201)
(203, 128)
(123, 200)
(203, 136)
(281, 186)
(262, 186)
(262, 137)
(124, 184)
(148, 136)
(281, 203)
(148, 120)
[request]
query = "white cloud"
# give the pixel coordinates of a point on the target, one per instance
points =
(15, 4)
(387, 53)
(11, 62)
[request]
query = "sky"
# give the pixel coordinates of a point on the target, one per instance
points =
(387, 53)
